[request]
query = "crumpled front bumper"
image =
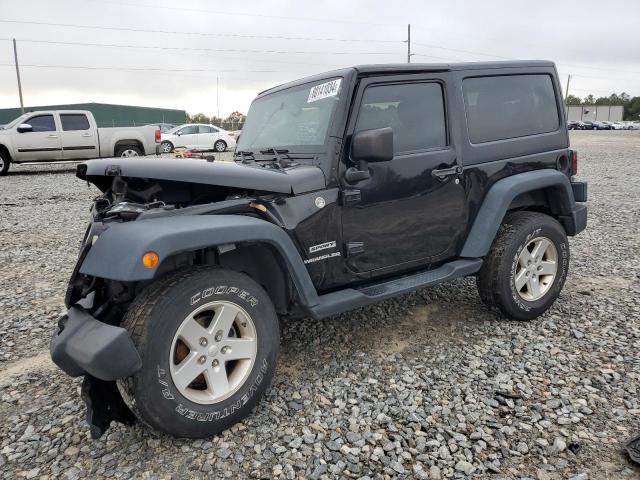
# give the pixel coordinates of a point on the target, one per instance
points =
(82, 345)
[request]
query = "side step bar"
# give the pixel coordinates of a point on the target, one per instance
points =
(350, 298)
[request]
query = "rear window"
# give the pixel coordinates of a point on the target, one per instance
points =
(74, 121)
(504, 107)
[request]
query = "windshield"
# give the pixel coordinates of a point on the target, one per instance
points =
(14, 122)
(298, 116)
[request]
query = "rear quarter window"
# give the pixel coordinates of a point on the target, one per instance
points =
(509, 106)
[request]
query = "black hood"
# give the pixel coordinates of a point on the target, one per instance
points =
(253, 176)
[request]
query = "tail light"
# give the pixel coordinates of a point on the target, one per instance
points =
(158, 136)
(574, 162)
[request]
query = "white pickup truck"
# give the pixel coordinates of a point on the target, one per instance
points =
(58, 135)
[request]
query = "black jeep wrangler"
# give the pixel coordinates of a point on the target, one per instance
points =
(346, 188)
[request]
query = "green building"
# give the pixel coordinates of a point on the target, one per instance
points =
(108, 115)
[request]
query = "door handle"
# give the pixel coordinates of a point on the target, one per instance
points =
(443, 173)
(52, 136)
(86, 134)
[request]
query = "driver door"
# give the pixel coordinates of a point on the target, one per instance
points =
(411, 211)
(41, 144)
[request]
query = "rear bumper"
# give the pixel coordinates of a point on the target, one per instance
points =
(575, 222)
(83, 345)
(579, 191)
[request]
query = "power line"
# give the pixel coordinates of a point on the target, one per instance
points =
(202, 34)
(446, 59)
(240, 14)
(461, 51)
(143, 69)
(227, 50)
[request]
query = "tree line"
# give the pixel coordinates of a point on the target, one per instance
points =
(234, 121)
(631, 104)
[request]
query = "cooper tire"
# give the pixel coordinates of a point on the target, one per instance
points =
(5, 163)
(154, 320)
(220, 146)
(502, 267)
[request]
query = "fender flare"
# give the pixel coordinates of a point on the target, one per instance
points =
(501, 194)
(117, 251)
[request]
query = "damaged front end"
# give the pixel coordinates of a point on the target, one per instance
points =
(89, 340)
(102, 353)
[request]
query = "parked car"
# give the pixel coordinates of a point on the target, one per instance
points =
(197, 136)
(164, 127)
(634, 125)
(597, 125)
(588, 125)
(611, 125)
(55, 135)
(575, 125)
(349, 188)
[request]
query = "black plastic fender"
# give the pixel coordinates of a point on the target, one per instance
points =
(117, 252)
(500, 196)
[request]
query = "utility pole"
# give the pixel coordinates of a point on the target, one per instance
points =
(566, 93)
(218, 95)
(408, 43)
(15, 56)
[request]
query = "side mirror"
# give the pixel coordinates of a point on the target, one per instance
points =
(178, 133)
(373, 145)
(25, 127)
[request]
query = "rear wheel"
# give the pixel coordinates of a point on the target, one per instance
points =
(220, 146)
(129, 151)
(208, 339)
(527, 266)
(5, 162)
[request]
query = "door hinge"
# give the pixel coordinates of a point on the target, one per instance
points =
(354, 248)
(350, 197)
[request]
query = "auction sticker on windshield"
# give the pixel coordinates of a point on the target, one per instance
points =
(324, 90)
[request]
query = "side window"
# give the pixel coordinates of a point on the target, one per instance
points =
(42, 123)
(188, 130)
(509, 106)
(205, 129)
(415, 112)
(74, 121)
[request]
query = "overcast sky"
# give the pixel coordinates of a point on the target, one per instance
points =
(596, 41)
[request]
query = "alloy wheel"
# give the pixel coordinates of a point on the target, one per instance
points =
(213, 352)
(536, 269)
(129, 152)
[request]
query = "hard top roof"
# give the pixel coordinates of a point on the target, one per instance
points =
(387, 68)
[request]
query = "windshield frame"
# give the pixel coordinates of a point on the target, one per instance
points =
(14, 122)
(331, 126)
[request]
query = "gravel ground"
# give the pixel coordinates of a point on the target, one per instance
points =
(428, 385)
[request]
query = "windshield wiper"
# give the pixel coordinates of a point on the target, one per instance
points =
(281, 162)
(243, 154)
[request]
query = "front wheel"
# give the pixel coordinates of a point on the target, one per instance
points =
(166, 147)
(5, 162)
(527, 266)
(220, 146)
(208, 339)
